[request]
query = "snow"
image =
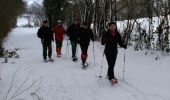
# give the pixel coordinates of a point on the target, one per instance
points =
(23, 20)
(145, 78)
(29, 2)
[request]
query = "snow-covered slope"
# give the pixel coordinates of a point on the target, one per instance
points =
(145, 77)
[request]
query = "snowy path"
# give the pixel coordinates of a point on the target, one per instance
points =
(65, 80)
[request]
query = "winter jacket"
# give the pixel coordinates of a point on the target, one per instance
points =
(73, 32)
(45, 34)
(59, 32)
(111, 42)
(86, 35)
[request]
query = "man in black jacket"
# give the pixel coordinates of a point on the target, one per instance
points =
(45, 33)
(73, 33)
(85, 36)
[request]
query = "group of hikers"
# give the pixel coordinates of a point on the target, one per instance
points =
(76, 33)
(81, 34)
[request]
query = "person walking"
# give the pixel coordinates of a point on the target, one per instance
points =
(45, 33)
(73, 32)
(111, 38)
(59, 34)
(85, 36)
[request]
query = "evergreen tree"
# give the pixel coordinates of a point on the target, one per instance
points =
(54, 10)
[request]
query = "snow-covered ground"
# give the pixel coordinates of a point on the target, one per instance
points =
(23, 21)
(28, 78)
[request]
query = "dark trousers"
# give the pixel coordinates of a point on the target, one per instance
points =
(58, 44)
(111, 59)
(84, 48)
(74, 47)
(58, 47)
(47, 48)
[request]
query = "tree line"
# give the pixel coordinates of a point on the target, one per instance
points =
(99, 12)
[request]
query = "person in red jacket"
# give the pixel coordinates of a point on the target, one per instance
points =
(59, 32)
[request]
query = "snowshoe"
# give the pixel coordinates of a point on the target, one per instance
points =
(59, 55)
(45, 60)
(85, 65)
(51, 60)
(75, 59)
(114, 81)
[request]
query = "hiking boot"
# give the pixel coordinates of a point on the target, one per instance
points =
(110, 78)
(59, 55)
(74, 59)
(45, 60)
(50, 59)
(83, 62)
(114, 81)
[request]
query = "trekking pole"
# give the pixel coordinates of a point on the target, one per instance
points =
(68, 44)
(67, 49)
(53, 49)
(126, 41)
(94, 55)
(0, 72)
(100, 76)
(124, 64)
(77, 50)
(53, 46)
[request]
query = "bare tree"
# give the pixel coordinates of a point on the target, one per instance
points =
(38, 11)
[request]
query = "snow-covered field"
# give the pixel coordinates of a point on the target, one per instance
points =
(28, 78)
